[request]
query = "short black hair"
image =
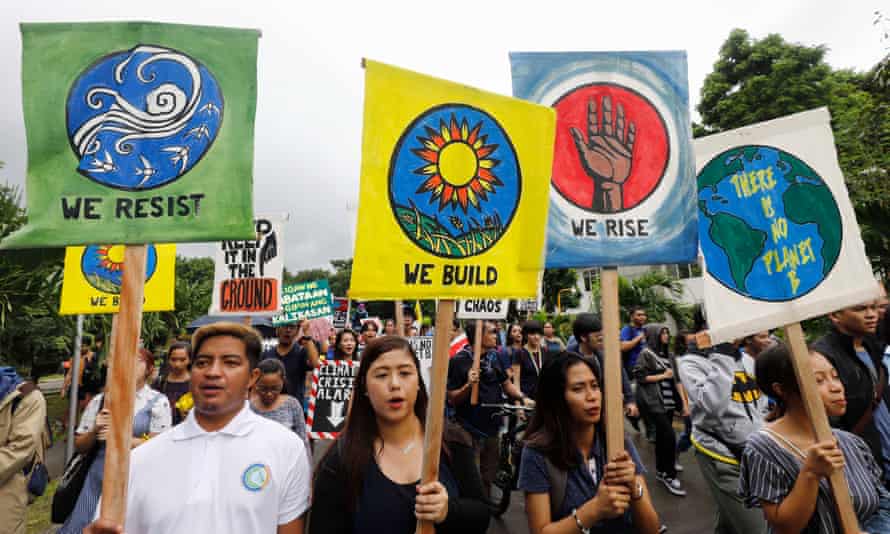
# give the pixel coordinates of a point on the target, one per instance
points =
(253, 342)
(470, 330)
(635, 309)
(531, 327)
(585, 323)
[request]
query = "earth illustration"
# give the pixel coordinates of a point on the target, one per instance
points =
(769, 226)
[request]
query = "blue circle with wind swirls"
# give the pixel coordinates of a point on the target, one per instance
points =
(142, 118)
(454, 181)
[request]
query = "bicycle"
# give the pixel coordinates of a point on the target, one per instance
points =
(510, 452)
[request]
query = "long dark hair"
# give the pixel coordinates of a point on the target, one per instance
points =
(339, 354)
(774, 366)
(509, 341)
(551, 431)
(355, 444)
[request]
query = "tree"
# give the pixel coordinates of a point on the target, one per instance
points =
(654, 291)
(339, 281)
(558, 279)
(758, 80)
(307, 275)
(754, 81)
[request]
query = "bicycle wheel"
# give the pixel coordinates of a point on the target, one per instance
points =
(501, 490)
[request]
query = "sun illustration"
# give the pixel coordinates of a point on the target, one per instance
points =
(111, 257)
(458, 167)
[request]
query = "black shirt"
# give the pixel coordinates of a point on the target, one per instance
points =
(529, 369)
(296, 365)
(476, 419)
(387, 507)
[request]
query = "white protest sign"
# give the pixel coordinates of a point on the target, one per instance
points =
(423, 348)
(482, 309)
(777, 229)
(247, 278)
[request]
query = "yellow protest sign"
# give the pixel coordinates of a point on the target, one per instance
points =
(92, 279)
(454, 190)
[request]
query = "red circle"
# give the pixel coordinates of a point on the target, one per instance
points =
(650, 151)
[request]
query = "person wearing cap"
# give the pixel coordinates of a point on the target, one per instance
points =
(225, 469)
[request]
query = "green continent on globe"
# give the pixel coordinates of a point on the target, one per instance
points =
(809, 203)
(741, 243)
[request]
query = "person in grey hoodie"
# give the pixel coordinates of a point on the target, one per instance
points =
(726, 408)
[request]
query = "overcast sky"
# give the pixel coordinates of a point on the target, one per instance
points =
(309, 109)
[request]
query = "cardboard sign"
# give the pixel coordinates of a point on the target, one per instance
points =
(92, 279)
(778, 232)
(482, 309)
(423, 348)
(248, 273)
(341, 312)
(306, 300)
(623, 167)
(138, 133)
(331, 390)
(453, 190)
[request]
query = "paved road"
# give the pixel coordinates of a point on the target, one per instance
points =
(693, 514)
(51, 386)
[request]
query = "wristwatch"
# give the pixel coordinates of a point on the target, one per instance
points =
(638, 492)
(578, 523)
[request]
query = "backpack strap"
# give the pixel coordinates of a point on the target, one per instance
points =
(558, 479)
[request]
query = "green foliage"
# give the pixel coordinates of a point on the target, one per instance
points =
(757, 80)
(339, 281)
(754, 81)
(307, 275)
(556, 279)
(654, 291)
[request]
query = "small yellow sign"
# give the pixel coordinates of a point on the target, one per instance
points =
(92, 279)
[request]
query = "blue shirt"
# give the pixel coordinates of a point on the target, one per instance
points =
(581, 484)
(881, 414)
(628, 333)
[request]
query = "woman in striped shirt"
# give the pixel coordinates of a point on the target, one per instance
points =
(785, 471)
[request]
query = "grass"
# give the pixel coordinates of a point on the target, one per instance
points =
(39, 511)
(433, 236)
(56, 408)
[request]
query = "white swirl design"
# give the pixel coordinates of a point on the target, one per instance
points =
(167, 108)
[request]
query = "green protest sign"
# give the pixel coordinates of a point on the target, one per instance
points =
(137, 133)
(307, 300)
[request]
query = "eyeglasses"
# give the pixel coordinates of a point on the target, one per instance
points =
(264, 389)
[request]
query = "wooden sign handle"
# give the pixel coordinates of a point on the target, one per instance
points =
(477, 355)
(435, 413)
(613, 401)
(400, 318)
(800, 357)
(121, 387)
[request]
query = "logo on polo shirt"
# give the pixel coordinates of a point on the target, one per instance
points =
(256, 477)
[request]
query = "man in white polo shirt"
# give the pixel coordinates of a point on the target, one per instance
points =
(224, 469)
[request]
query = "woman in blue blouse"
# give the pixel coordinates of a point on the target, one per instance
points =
(569, 484)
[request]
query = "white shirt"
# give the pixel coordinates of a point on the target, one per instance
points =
(248, 477)
(161, 416)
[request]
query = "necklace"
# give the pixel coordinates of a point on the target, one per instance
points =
(408, 447)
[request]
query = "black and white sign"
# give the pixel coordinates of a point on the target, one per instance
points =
(482, 309)
(423, 348)
(331, 389)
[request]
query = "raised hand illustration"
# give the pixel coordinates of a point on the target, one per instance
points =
(607, 154)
